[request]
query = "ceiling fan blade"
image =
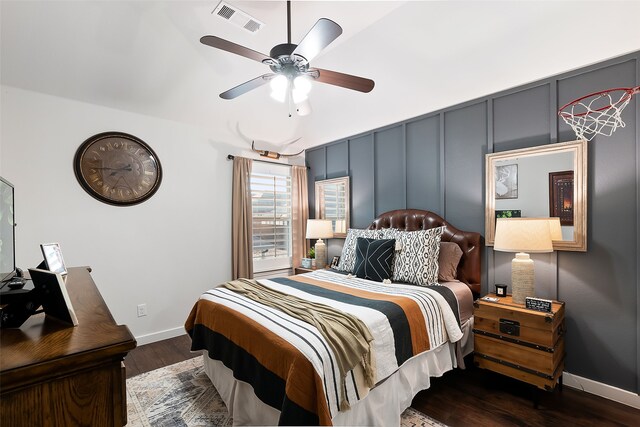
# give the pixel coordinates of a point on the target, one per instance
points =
(319, 36)
(246, 86)
(223, 44)
(344, 80)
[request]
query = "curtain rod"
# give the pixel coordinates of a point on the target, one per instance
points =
(231, 157)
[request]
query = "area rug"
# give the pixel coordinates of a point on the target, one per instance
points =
(181, 395)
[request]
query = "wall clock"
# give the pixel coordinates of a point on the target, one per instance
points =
(117, 168)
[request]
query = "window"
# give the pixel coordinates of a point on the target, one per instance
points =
(271, 212)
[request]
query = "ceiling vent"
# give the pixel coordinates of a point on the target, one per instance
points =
(236, 16)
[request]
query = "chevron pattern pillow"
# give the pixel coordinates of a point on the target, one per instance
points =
(374, 258)
(416, 261)
(348, 255)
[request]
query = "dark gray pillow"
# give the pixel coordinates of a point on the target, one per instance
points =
(374, 258)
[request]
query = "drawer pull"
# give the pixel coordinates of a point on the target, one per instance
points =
(510, 327)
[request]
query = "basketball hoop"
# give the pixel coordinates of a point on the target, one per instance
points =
(598, 113)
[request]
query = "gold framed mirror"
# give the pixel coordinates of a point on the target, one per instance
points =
(332, 202)
(544, 181)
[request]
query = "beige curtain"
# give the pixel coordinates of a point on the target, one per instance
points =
(300, 209)
(241, 225)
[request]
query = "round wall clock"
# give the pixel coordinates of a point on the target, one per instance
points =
(117, 168)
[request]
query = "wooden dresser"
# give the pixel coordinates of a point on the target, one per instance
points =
(53, 374)
(524, 344)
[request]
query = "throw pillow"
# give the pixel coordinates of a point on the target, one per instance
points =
(416, 261)
(374, 258)
(348, 255)
(448, 260)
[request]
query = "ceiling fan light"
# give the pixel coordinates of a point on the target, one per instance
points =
(298, 95)
(279, 86)
(302, 84)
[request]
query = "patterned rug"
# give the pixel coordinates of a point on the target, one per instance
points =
(182, 395)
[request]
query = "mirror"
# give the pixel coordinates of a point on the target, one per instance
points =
(332, 202)
(544, 181)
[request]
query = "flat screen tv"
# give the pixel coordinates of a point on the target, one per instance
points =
(7, 231)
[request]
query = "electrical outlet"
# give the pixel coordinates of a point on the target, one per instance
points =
(142, 310)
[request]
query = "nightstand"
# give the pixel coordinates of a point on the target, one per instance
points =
(524, 344)
(302, 270)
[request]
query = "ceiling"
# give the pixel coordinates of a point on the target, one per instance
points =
(145, 57)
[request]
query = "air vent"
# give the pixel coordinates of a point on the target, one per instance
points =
(236, 16)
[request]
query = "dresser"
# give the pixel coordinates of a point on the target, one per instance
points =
(53, 374)
(518, 342)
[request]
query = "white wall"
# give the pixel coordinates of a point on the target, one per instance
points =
(164, 252)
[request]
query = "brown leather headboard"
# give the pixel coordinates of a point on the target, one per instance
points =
(469, 268)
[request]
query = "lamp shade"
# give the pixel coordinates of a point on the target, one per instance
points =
(530, 235)
(319, 229)
(555, 229)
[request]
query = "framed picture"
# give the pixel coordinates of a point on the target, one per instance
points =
(54, 297)
(53, 258)
(508, 213)
(506, 182)
(561, 196)
(335, 261)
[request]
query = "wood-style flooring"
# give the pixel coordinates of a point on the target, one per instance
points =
(471, 397)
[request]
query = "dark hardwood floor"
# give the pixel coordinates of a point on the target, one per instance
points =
(471, 397)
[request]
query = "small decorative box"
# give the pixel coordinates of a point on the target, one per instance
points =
(501, 290)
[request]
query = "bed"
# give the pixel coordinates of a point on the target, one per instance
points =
(273, 368)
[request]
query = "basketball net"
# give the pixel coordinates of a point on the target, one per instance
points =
(597, 113)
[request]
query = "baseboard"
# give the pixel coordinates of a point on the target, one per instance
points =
(159, 336)
(603, 390)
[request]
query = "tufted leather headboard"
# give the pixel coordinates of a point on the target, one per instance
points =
(469, 268)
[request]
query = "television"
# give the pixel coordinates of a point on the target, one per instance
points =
(7, 231)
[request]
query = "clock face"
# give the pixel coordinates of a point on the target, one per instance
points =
(117, 168)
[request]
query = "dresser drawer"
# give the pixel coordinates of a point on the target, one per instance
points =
(544, 361)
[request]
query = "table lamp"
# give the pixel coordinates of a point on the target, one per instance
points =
(320, 229)
(524, 236)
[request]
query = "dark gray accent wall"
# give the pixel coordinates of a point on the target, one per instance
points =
(436, 162)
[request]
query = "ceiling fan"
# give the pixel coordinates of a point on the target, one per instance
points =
(291, 75)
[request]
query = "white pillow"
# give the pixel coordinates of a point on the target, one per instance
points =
(416, 261)
(348, 256)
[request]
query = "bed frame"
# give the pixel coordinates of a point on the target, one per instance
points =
(469, 268)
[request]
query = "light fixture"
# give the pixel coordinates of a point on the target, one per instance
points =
(524, 236)
(286, 87)
(279, 88)
(320, 229)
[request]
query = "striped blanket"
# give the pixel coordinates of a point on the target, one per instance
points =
(287, 361)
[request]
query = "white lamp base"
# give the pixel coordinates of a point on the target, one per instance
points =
(321, 254)
(521, 277)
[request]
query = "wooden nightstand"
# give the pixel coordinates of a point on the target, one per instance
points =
(524, 344)
(302, 270)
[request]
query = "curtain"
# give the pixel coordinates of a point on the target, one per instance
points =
(241, 220)
(300, 214)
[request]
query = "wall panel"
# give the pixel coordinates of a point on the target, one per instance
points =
(389, 178)
(521, 119)
(337, 160)
(316, 160)
(361, 172)
(465, 144)
(423, 164)
(599, 284)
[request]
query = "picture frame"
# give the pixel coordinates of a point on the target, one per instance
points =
(335, 261)
(53, 260)
(53, 295)
(561, 196)
(506, 181)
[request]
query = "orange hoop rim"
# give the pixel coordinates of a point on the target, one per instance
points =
(630, 91)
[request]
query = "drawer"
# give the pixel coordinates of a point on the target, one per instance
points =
(545, 382)
(521, 330)
(544, 361)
